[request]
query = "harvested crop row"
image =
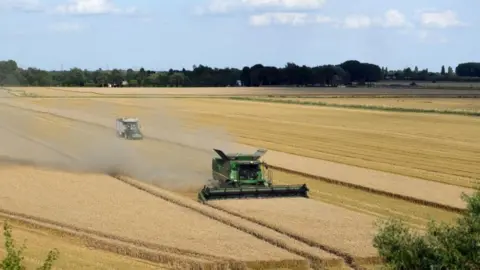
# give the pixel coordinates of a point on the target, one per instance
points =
(309, 252)
(447, 197)
(317, 256)
(107, 206)
(78, 236)
(332, 228)
(412, 189)
(94, 132)
(380, 206)
(421, 146)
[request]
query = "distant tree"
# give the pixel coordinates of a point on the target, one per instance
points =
(251, 76)
(177, 79)
(450, 71)
(470, 69)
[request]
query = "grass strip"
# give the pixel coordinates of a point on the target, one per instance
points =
(358, 106)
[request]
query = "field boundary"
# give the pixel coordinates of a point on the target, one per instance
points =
(358, 106)
(118, 245)
(372, 190)
(315, 262)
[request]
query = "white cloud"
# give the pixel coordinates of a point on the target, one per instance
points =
(394, 18)
(440, 19)
(323, 19)
(357, 22)
(66, 27)
(287, 4)
(92, 7)
(217, 6)
(227, 6)
(279, 18)
(22, 5)
(391, 19)
(431, 37)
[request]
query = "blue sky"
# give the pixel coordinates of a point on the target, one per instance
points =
(159, 34)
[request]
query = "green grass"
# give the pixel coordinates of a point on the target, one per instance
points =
(359, 106)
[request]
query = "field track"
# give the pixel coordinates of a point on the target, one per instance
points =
(447, 197)
(114, 244)
(317, 254)
(266, 255)
(313, 254)
(355, 246)
(82, 251)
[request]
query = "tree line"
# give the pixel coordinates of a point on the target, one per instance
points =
(347, 73)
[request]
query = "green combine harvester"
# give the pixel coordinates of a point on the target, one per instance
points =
(237, 176)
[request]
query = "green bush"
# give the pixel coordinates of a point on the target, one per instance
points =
(441, 247)
(14, 258)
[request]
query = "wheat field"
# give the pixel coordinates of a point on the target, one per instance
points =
(74, 253)
(356, 230)
(91, 203)
(438, 148)
(347, 158)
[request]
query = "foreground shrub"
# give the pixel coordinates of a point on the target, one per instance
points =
(14, 259)
(441, 247)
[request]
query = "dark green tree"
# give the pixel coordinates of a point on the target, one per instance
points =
(443, 246)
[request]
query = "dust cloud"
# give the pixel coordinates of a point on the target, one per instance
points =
(171, 155)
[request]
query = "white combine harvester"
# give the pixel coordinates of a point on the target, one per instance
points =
(129, 128)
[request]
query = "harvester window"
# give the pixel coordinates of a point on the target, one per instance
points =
(132, 127)
(248, 171)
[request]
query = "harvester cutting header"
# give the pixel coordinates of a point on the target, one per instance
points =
(239, 175)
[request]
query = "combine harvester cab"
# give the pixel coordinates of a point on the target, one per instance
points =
(237, 176)
(128, 128)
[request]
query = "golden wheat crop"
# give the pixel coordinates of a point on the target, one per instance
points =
(103, 204)
(73, 255)
(441, 148)
(345, 136)
(315, 254)
(409, 187)
(433, 147)
(366, 202)
(446, 195)
(415, 188)
(318, 223)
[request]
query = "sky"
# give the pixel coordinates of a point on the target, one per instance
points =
(160, 34)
